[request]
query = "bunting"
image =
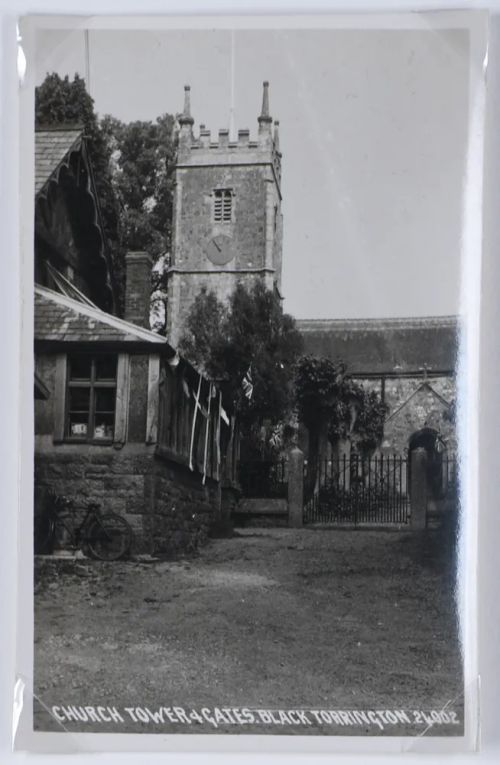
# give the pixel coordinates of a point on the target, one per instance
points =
(207, 430)
(195, 414)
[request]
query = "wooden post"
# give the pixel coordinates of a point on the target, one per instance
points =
(295, 488)
(418, 489)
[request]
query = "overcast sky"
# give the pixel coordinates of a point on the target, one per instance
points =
(373, 135)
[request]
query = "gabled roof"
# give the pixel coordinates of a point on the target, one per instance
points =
(423, 387)
(63, 166)
(384, 346)
(59, 318)
(52, 147)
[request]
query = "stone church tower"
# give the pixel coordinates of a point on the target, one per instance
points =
(227, 222)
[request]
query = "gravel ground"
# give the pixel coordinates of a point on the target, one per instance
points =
(315, 621)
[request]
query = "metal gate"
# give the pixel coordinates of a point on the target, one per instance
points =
(358, 491)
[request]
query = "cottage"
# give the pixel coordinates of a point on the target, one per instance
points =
(120, 418)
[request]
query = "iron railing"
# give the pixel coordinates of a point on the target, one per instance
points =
(355, 490)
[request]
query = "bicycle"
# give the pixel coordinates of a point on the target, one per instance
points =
(106, 536)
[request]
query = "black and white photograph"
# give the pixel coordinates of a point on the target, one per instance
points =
(248, 279)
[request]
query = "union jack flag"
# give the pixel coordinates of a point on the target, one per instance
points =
(247, 383)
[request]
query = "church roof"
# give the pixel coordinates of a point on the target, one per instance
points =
(51, 149)
(371, 347)
(59, 318)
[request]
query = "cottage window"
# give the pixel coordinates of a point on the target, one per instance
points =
(91, 397)
(223, 205)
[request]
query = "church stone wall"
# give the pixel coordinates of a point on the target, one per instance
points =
(414, 405)
(194, 216)
(167, 506)
(255, 234)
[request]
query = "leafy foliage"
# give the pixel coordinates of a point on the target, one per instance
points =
(333, 407)
(251, 332)
(142, 167)
(368, 427)
(326, 394)
(319, 388)
(143, 161)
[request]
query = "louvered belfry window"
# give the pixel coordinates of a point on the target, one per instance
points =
(223, 205)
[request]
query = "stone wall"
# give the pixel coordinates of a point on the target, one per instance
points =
(166, 505)
(182, 509)
(415, 404)
(397, 390)
(195, 220)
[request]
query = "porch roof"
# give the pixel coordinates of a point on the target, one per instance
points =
(59, 318)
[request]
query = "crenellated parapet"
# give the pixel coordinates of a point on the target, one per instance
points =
(203, 148)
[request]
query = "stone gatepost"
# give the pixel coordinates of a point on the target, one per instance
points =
(418, 489)
(295, 488)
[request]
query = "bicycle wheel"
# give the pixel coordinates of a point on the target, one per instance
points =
(43, 533)
(109, 537)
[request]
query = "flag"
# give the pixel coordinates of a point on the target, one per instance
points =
(224, 414)
(247, 383)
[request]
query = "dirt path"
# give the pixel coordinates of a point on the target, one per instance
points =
(271, 619)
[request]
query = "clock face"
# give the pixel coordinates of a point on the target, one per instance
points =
(220, 250)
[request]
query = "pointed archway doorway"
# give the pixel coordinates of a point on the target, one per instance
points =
(437, 461)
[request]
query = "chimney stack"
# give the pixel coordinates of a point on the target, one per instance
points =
(138, 288)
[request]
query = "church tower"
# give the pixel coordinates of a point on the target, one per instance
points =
(227, 222)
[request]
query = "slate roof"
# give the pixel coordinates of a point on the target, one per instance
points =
(51, 148)
(384, 346)
(59, 318)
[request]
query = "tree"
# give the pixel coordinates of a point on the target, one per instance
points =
(249, 335)
(143, 162)
(142, 170)
(368, 428)
(322, 404)
(333, 408)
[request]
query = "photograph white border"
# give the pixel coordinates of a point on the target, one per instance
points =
(470, 379)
